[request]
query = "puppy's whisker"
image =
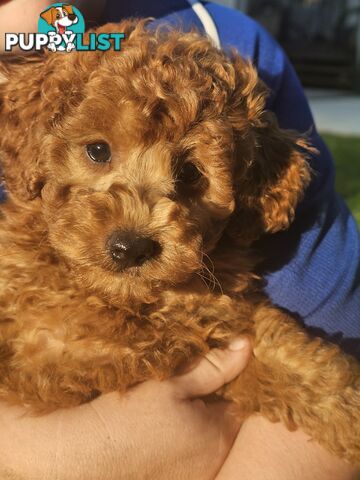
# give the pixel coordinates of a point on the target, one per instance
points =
(208, 259)
(209, 276)
(216, 282)
(205, 268)
(204, 279)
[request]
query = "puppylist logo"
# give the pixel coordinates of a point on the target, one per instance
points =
(61, 29)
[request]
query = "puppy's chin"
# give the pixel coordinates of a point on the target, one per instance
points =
(143, 285)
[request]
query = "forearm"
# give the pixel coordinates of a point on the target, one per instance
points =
(268, 451)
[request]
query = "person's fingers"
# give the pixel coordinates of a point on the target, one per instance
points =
(214, 370)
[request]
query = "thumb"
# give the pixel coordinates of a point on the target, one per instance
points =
(214, 370)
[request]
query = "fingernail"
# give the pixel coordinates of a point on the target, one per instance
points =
(238, 344)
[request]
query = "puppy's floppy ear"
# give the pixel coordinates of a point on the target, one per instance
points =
(36, 92)
(272, 168)
(20, 110)
(49, 15)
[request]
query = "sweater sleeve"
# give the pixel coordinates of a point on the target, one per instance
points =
(320, 281)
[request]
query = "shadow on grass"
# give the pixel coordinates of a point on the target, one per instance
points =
(346, 152)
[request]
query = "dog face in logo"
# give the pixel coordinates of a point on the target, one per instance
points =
(60, 18)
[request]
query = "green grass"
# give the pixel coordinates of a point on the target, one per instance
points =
(346, 152)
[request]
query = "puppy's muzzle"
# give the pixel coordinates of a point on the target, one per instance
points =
(128, 249)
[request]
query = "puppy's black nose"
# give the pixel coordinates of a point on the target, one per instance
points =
(130, 250)
(72, 16)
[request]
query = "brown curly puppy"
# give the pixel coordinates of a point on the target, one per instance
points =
(133, 177)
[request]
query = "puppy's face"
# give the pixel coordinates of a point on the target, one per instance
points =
(156, 152)
(139, 184)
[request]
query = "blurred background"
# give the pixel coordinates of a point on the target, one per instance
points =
(322, 40)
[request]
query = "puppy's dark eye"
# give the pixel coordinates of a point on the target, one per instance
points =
(58, 15)
(189, 174)
(99, 152)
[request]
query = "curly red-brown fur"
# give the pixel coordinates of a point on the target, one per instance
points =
(72, 325)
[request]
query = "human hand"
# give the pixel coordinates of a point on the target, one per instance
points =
(156, 430)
